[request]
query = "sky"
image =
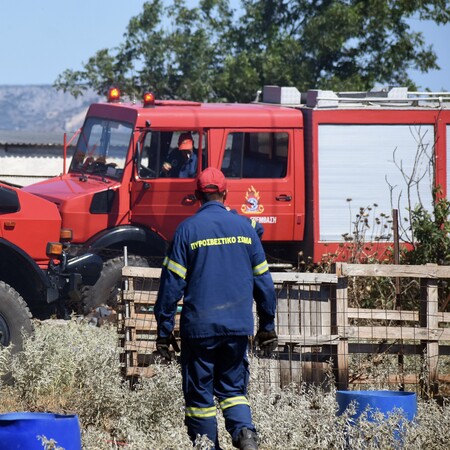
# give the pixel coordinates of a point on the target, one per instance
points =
(39, 39)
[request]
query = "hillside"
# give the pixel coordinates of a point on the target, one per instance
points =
(41, 108)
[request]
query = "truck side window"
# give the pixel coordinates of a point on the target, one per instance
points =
(256, 155)
(161, 156)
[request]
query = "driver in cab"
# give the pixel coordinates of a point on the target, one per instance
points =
(182, 163)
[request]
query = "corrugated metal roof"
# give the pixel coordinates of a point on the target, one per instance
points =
(28, 138)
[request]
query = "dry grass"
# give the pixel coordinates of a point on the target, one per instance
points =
(74, 368)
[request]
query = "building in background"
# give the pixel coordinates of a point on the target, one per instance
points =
(27, 157)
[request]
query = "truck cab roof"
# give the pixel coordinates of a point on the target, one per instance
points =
(206, 115)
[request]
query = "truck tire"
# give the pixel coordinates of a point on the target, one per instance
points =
(104, 292)
(15, 318)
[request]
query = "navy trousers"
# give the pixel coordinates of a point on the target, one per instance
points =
(215, 367)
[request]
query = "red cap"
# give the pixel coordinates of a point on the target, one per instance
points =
(185, 142)
(211, 180)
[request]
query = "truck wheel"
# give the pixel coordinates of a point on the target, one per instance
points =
(104, 292)
(15, 318)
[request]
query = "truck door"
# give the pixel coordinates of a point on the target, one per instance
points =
(162, 192)
(260, 179)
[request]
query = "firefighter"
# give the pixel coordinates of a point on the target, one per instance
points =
(182, 163)
(217, 263)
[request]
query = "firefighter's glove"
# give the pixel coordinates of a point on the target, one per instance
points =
(163, 346)
(266, 341)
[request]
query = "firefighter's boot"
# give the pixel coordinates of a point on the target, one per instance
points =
(246, 440)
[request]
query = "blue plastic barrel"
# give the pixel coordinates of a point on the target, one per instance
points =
(382, 401)
(20, 430)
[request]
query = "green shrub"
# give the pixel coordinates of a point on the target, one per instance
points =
(431, 232)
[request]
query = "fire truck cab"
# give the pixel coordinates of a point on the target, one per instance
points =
(36, 275)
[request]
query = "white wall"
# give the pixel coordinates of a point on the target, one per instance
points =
(27, 166)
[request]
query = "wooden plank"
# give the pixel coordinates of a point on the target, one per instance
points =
(314, 372)
(142, 297)
(141, 272)
(391, 314)
(407, 333)
(432, 354)
(382, 314)
(282, 316)
(144, 322)
(290, 371)
(307, 340)
(341, 321)
(388, 348)
(409, 378)
(390, 270)
(320, 300)
(304, 277)
(141, 324)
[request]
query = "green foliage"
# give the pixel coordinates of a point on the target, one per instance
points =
(213, 53)
(431, 234)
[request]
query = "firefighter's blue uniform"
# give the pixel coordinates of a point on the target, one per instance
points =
(217, 262)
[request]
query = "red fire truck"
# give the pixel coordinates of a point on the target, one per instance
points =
(296, 162)
(36, 276)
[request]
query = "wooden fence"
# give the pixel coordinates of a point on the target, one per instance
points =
(422, 331)
(321, 333)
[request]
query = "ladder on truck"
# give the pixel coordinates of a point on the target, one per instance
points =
(380, 97)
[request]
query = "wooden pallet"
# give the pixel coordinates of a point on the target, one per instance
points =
(136, 321)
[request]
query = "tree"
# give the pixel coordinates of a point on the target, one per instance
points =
(214, 53)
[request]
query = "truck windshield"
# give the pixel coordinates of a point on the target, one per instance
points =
(102, 148)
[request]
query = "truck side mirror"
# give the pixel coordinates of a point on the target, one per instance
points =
(9, 200)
